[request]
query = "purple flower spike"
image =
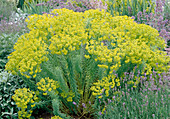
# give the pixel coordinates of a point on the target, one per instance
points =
(123, 93)
(99, 101)
(74, 103)
(83, 105)
(153, 115)
(146, 103)
(40, 4)
(109, 101)
(163, 32)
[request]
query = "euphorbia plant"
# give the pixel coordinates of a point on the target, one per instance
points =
(68, 58)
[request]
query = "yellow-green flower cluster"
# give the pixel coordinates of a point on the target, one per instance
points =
(138, 52)
(105, 55)
(47, 85)
(134, 82)
(29, 53)
(56, 117)
(24, 99)
(36, 25)
(69, 32)
(138, 32)
(105, 85)
(68, 95)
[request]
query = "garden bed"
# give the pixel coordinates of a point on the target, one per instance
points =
(80, 59)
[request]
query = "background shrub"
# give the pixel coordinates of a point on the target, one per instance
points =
(130, 7)
(40, 7)
(6, 9)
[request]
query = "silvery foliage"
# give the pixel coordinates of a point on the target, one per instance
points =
(18, 16)
(8, 84)
(4, 76)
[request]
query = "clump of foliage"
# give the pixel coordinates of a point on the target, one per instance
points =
(166, 10)
(14, 24)
(7, 42)
(12, 27)
(6, 9)
(8, 84)
(40, 7)
(83, 5)
(157, 20)
(151, 100)
(130, 7)
(70, 58)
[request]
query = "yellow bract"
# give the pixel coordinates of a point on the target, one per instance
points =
(28, 55)
(47, 85)
(104, 85)
(23, 98)
(56, 117)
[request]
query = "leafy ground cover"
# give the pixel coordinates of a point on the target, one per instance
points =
(84, 59)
